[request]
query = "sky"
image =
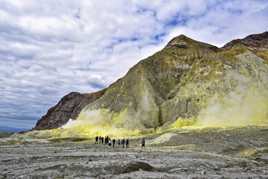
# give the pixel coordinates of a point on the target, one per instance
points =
(49, 48)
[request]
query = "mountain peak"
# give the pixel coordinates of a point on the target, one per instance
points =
(180, 41)
(182, 37)
(184, 42)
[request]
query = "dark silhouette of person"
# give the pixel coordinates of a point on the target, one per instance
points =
(127, 143)
(113, 141)
(123, 143)
(102, 140)
(97, 140)
(106, 140)
(109, 142)
(143, 142)
(118, 142)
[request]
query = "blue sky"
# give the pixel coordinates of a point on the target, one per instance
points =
(51, 47)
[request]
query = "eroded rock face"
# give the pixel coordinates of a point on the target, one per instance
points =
(185, 80)
(68, 108)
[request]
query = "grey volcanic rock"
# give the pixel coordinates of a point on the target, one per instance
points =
(68, 108)
(136, 166)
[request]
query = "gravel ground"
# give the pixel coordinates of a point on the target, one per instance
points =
(240, 156)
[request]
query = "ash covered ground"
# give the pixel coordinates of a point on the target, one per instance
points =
(203, 153)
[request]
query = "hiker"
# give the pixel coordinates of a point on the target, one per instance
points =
(106, 140)
(118, 142)
(97, 140)
(109, 142)
(113, 141)
(123, 143)
(127, 143)
(143, 142)
(102, 140)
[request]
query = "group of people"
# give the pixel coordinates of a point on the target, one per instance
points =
(112, 142)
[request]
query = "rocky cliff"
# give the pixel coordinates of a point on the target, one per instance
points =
(68, 108)
(186, 82)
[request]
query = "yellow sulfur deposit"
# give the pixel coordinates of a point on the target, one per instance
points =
(238, 109)
(180, 122)
(95, 130)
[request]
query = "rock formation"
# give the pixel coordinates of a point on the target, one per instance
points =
(187, 79)
(68, 108)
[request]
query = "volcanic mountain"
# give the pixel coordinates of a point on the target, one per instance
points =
(188, 82)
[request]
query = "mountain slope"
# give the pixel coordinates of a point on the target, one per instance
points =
(68, 108)
(187, 80)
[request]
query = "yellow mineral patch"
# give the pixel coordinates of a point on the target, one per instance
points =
(243, 107)
(101, 117)
(248, 152)
(89, 131)
(180, 122)
(96, 123)
(83, 131)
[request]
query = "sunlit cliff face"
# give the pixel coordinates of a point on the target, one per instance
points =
(244, 104)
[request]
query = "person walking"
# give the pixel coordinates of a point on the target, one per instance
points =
(143, 142)
(123, 143)
(97, 140)
(113, 142)
(106, 140)
(127, 143)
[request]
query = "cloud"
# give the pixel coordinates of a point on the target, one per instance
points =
(227, 20)
(49, 48)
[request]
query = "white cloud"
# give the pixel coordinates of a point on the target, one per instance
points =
(49, 48)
